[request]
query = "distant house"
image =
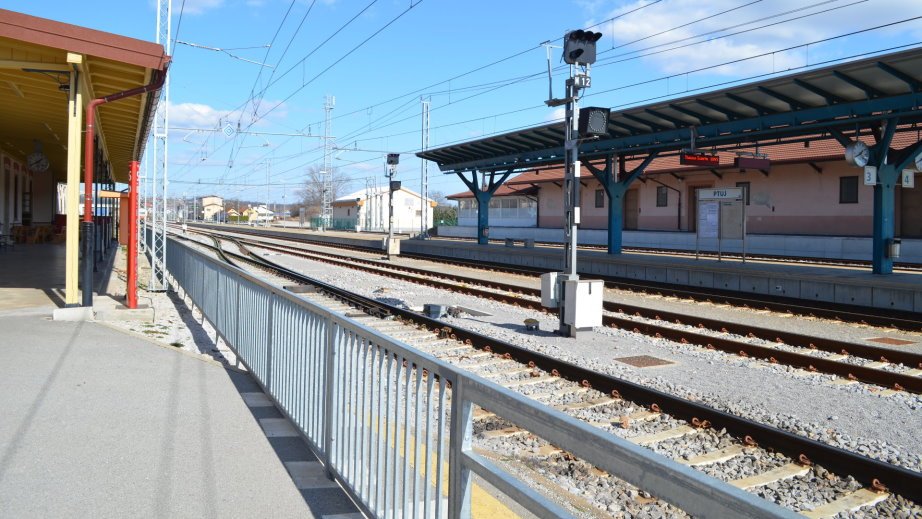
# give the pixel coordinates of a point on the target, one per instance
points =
(368, 210)
(259, 213)
(212, 207)
(232, 213)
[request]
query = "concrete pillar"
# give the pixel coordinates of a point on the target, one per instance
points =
(74, 133)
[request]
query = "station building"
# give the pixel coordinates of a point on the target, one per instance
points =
(807, 190)
(51, 76)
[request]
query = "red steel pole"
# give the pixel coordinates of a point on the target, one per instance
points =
(132, 292)
(89, 151)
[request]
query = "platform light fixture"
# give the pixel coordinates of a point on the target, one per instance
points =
(393, 159)
(579, 47)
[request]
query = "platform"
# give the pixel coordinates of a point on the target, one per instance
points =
(853, 286)
(343, 238)
(100, 423)
(103, 423)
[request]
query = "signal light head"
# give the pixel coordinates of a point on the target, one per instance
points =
(579, 47)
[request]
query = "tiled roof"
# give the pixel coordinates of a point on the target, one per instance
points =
(504, 190)
(791, 153)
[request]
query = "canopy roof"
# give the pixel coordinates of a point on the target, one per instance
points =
(34, 70)
(842, 96)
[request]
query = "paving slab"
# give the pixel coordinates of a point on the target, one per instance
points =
(97, 423)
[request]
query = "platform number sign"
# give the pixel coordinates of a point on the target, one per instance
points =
(870, 175)
(909, 178)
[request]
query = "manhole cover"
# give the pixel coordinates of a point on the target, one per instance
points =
(892, 342)
(644, 361)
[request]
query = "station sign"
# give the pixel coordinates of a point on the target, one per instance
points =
(725, 193)
(909, 178)
(689, 158)
(752, 163)
(870, 175)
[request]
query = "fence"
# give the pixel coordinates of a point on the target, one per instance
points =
(393, 425)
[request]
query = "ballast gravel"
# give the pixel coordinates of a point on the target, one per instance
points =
(853, 417)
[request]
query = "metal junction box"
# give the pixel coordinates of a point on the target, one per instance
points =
(549, 290)
(583, 303)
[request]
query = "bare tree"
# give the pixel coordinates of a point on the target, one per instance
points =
(311, 194)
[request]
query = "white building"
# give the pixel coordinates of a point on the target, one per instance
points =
(511, 206)
(368, 210)
(260, 213)
(212, 207)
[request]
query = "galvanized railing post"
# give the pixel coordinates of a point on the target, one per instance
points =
(269, 301)
(459, 442)
(328, 410)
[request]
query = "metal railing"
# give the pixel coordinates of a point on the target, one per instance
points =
(393, 425)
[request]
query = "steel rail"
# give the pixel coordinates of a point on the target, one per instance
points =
(868, 471)
(865, 351)
(850, 371)
(903, 320)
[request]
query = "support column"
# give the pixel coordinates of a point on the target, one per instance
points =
(483, 196)
(72, 242)
(132, 289)
(614, 190)
(884, 214)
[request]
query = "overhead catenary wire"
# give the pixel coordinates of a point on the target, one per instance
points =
(686, 72)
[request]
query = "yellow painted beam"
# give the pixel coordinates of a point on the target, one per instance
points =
(36, 65)
(74, 123)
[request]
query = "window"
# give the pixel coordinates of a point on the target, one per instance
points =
(662, 196)
(599, 198)
(848, 190)
(745, 186)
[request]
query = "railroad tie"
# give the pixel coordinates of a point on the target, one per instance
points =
(500, 374)
(507, 432)
(653, 438)
(791, 470)
(531, 381)
(599, 402)
(718, 456)
(847, 503)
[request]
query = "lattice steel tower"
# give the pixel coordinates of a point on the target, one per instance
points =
(424, 174)
(158, 173)
(326, 174)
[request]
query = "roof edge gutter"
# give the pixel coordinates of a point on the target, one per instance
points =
(89, 150)
(88, 138)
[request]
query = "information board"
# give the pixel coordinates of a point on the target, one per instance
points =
(721, 216)
(708, 221)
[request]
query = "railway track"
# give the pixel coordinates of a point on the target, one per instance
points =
(888, 318)
(853, 362)
(765, 460)
(764, 258)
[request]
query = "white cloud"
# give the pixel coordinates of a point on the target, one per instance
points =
(195, 115)
(555, 115)
(200, 6)
(669, 15)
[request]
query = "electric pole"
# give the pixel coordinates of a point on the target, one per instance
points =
(424, 173)
(326, 207)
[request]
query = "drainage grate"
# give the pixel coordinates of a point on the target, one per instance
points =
(892, 342)
(644, 361)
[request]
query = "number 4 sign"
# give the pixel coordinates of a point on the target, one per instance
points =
(909, 178)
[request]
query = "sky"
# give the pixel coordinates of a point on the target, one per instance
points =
(263, 69)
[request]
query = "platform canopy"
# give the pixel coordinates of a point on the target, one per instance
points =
(803, 106)
(37, 57)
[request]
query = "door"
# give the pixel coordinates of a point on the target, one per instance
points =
(692, 206)
(630, 210)
(910, 204)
